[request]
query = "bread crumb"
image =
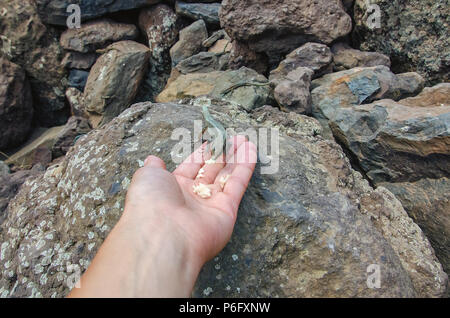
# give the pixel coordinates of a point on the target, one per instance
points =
(202, 191)
(201, 173)
(223, 181)
(210, 162)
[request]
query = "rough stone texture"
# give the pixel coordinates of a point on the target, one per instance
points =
(360, 85)
(16, 105)
(97, 35)
(242, 56)
(208, 12)
(345, 57)
(74, 129)
(26, 41)
(10, 184)
(311, 229)
(438, 95)
(203, 62)
(221, 46)
(276, 27)
(159, 25)
(54, 12)
(396, 143)
(4, 169)
(37, 150)
(215, 84)
(76, 101)
(78, 60)
(190, 42)
(413, 33)
(293, 91)
(315, 56)
(78, 78)
(115, 78)
(427, 202)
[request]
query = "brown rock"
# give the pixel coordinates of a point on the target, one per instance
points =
(75, 128)
(26, 41)
(277, 27)
(190, 42)
(16, 106)
(77, 60)
(97, 35)
(221, 46)
(292, 93)
(242, 56)
(315, 56)
(438, 95)
(310, 230)
(76, 101)
(37, 150)
(345, 58)
(115, 78)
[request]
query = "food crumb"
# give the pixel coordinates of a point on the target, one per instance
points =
(210, 162)
(201, 173)
(202, 191)
(223, 181)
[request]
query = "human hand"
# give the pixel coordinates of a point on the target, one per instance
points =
(167, 232)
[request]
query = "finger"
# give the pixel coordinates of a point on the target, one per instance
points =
(155, 162)
(209, 172)
(225, 173)
(240, 177)
(191, 166)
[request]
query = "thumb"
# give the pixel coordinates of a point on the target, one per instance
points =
(155, 162)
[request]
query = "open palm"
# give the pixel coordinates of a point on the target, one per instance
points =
(205, 223)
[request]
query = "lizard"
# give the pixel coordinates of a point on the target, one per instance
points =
(241, 84)
(214, 124)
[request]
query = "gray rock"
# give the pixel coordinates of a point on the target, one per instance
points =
(78, 79)
(279, 26)
(55, 12)
(358, 86)
(208, 12)
(114, 80)
(396, 143)
(203, 62)
(427, 202)
(413, 34)
(159, 25)
(190, 42)
(16, 105)
(4, 169)
(234, 86)
(345, 57)
(310, 230)
(96, 35)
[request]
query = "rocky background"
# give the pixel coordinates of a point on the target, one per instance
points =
(363, 113)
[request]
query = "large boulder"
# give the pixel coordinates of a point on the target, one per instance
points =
(97, 35)
(159, 25)
(55, 12)
(26, 41)
(16, 105)
(114, 80)
(315, 228)
(360, 85)
(345, 58)
(244, 86)
(276, 27)
(414, 34)
(427, 202)
(208, 12)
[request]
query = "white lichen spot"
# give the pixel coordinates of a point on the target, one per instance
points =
(217, 267)
(38, 269)
(235, 257)
(228, 288)
(43, 280)
(91, 235)
(125, 183)
(208, 291)
(91, 246)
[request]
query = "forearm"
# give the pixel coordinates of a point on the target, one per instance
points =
(138, 260)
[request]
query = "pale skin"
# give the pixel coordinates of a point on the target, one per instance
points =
(167, 232)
